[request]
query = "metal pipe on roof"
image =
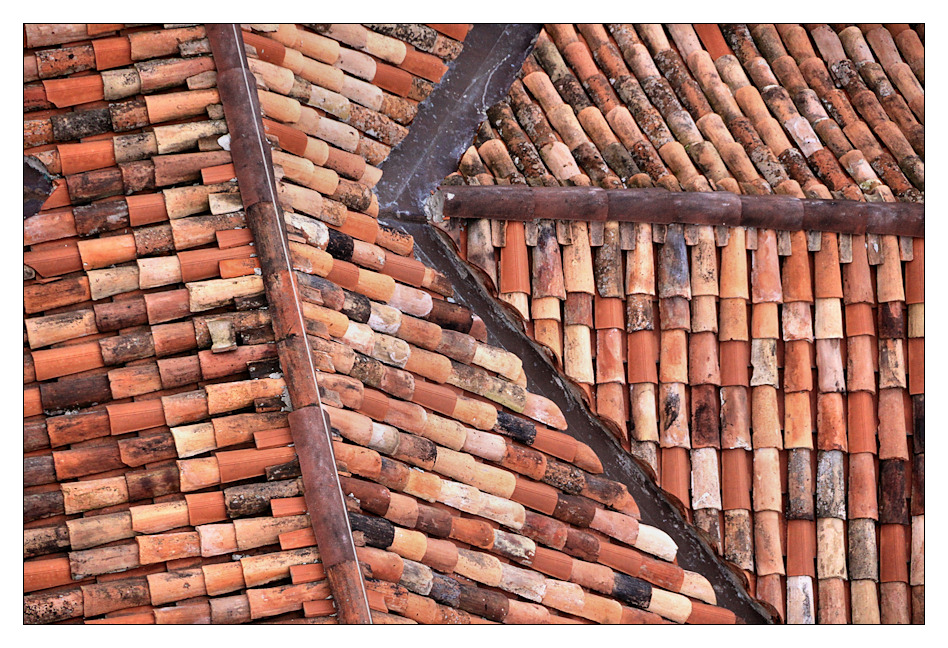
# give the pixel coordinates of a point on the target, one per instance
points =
(655, 205)
(254, 167)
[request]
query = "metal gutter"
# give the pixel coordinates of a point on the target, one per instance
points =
(655, 205)
(254, 166)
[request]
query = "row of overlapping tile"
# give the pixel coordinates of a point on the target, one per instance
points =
(124, 368)
(777, 385)
(161, 481)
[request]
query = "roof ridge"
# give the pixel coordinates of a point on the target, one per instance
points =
(307, 420)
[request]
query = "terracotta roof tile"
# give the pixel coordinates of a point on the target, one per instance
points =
(96, 157)
(768, 102)
(389, 348)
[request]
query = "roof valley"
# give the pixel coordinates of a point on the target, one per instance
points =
(764, 110)
(168, 340)
(694, 552)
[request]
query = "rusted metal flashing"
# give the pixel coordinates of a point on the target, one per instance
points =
(411, 172)
(254, 166)
(654, 205)
(447, 120)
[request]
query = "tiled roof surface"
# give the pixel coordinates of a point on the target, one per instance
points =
(161, 483)
(772, 380)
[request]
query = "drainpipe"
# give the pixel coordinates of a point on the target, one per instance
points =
(308, 426)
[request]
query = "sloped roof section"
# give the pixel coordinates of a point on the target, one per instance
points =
(773, 380)
(145, 391)
(162, 420)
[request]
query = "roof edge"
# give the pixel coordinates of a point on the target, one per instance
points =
(254, 167)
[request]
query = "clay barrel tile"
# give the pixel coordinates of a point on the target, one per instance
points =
(705, 416)
(673, 274)
(763, 359)
(705, 479)
(609, 364)
(891, 364)
(830, 489)
(765, 271)
(893, 558)
(829, 362)
(735, 362)
(798, 362)
(892, 491)
(74, 358)
(915, 274)
(640, 277)
(674, 313)
(673, 357)
(703, 359)
(862, 486)
(88, 495)
(895, 602)
(831, 422)
(826, 268)
(861, 360)
(800, 484)
(673, 409)
(861, 422)
(733, 320)
(916, 365)
(644, 424)
(704, 317)
(767, 544)
(608, 313)
(801, 549)
(765, 417)
(889, 272)
(167, 546)
(676, 472)
(797, 420)
(547, 264)
(859, 319)
(764, 321)
(892, 427)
